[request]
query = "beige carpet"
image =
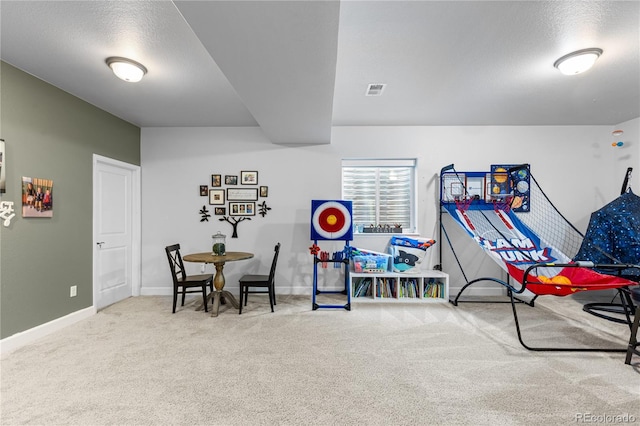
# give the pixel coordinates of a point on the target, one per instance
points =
(134, 363)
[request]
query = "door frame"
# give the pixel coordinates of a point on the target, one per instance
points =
(135, 222)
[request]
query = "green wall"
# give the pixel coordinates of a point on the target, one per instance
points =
(51, 134)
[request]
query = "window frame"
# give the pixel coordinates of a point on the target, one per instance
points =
(411, 163)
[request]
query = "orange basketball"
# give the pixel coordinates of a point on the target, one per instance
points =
(561, 280)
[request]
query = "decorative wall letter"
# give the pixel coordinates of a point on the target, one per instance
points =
(6, 212)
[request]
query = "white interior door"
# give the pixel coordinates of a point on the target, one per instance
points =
(116, 231)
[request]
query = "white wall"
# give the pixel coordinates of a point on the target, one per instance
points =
(629, 154)
(576, 166)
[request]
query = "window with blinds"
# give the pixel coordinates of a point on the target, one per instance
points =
(382, 192)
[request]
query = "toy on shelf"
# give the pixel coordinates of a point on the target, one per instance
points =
(396, 228)
(408, 252)
(369, 261)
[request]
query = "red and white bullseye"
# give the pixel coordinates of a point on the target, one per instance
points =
(331, 220)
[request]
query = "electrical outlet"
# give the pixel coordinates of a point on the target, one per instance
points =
(73, 291)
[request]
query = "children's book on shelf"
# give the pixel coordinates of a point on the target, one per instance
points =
(433, 289)
(409, 288)
(362, 287)
(386, 288)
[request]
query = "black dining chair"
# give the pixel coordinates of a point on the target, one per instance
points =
(183, 283)
(265, 283)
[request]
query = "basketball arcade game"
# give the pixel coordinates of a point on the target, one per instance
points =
(538, 248)
(331, 220)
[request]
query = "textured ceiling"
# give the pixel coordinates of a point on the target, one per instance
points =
(296, 68)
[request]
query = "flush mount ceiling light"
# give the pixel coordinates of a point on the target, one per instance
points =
(578, 62)
(126, 69)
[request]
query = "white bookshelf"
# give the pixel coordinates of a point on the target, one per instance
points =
(429, 286)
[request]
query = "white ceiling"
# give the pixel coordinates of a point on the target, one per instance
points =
(296, 68)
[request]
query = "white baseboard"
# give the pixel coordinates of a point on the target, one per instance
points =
(18, 340)
(478, 291)
(156, 291)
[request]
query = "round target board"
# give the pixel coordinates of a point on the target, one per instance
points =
(331, 220)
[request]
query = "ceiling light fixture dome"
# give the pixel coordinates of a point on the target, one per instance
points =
(126, 69)
(579, 61)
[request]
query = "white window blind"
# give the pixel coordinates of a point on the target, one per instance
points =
(382, 191)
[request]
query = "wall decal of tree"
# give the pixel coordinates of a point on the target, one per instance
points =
(234, 222)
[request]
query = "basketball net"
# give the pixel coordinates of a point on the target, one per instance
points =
(463, 204)
(503, 204)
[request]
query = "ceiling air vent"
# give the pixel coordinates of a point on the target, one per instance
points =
(375, 89)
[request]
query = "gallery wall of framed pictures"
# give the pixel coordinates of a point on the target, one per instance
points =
(235, 194)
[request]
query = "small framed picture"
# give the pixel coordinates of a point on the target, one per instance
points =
(249, 178)
(242, 194)
(264, 191)
(3, 167)
(216, 196)
(242, 209)
(37, 197)
(230, 180)
(220, 211)
(216, 180)
(204, 190)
